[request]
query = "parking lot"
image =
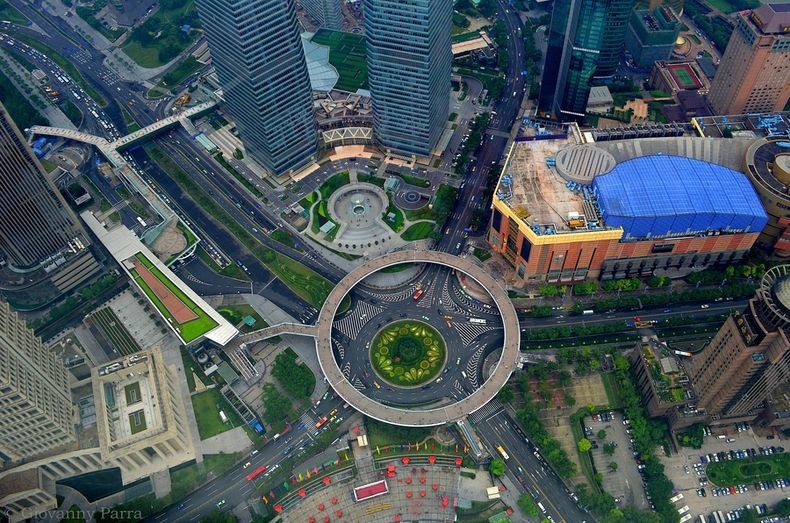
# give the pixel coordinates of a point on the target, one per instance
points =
(625, 483)
(686, 471)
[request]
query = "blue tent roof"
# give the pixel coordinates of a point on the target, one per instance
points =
(657, 196)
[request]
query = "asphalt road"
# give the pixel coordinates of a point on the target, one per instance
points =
(527, 470)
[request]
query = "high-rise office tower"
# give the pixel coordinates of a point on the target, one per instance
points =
(257, 52)
(325, 13)
(754, 74)
(37, 228)
(651, 35)
(409, 65)
(576, 34)
(35, 399)
(618, 13)
(675, 5)
(749, 357)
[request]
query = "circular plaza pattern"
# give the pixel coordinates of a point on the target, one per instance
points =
(499, 372)
(408, 353)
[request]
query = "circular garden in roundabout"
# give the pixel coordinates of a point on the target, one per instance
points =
(408, 353)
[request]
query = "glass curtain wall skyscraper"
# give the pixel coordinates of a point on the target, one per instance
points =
(325, 13)
(409, 66)
(37, 228)
(576, 34)
(617, 16)
(257, 52)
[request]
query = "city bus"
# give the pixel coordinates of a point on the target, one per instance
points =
(417, 295)
(501, 450)
(320, 423)
(255, 473)
(479, 321)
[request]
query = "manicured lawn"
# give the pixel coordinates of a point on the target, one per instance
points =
(465, 37)
(408, 353)
(137, 421)
(236, 313)
(347, 55)
(207, 405)
(368, 178)
(332, 184)
(482, 254)
(759, 468)
(185, 68)
(160, 38)
(397, 221)
(231, 271)
(189, 330)
(414, 180)
(380, 433)
(418, 231)
(132, 393)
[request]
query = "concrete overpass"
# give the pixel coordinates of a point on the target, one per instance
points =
(501, 372)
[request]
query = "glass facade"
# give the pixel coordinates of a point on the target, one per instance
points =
(617, 16)
(575, 38)
(409, 66)
(325, 13)
(257, 52)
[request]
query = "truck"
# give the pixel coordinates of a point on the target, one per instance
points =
(223, 416)
(588, 312)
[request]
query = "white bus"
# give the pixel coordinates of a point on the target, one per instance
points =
(141, 222)
(223, 416)
(501, 450)
(479, 321)
(675, 499)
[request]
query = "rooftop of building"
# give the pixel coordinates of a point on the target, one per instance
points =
(666, 372)
(547, 182)
(744, 125)
(772, 18)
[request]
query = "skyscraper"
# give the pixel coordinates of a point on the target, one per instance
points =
(257, 52)
(35, 399)
(37, 229)
(409, 66)
(652, 35)
(749, 357)
(754, 75)
(576, 35)
(618, 13)
(325, 13)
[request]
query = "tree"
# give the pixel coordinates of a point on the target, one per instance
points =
(601, 434)
(570, 401)
(276, 407)
(296, 379)
(528, 506)
(505, 394)
(613, 466)
(217, 516)
(496, 467)
(608, 448)
(584, 445)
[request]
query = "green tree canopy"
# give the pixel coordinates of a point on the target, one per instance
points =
(528, 506)
(497, 467)
(584, 445)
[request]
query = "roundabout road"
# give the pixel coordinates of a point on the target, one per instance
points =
(415, 417)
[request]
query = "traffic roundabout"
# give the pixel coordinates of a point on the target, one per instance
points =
(414, 351)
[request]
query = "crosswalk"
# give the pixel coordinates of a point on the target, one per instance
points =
(470, 331)
(468, 302)
(358, 384)
(396, 296)
(490, 409)
(307, 420)
(351, 324)
(472, 364)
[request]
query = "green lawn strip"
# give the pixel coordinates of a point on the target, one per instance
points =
(585, 458)
(137, 421)
(381, 434)
(369, 178)
(190, 369)
(189, 330)
(236, 174)
(333, 183)
(414, 180)
(191, 238)
(63, 62)
(283, 237)
(308, 200)
(231, 271)
(19, 57)
(236, 313)
(132, 393)
(397, 222)
(750, 470)
(20, 109)
(207, 405)
(465, 37)
(397, 268)
(10, 13)
(50, 166)
(112, 327)
(612, 389)
(71, 111)
(418, 231)
(303, 281)
(184, 68)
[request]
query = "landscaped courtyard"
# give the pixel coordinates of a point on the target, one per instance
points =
(759, 468)
(408, 353)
